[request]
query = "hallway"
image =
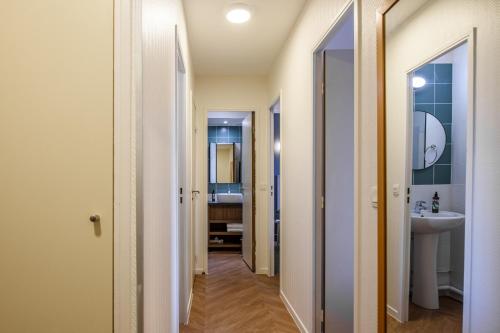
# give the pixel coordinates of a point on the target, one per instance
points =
(232, 299)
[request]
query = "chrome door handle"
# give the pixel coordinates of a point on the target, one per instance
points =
(95, 218)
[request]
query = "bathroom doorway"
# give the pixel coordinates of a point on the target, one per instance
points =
(335, 144)
(275, 187)
(432, 267)
(231, 186)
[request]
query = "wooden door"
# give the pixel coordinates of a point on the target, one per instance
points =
(56, 166)
(248, 189)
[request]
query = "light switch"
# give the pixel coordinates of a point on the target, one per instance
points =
(374, 197)
(395, 190)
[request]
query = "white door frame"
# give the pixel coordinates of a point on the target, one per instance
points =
(183, 192)
(271, 184)
(317, 65)
(127, 97)
(468, 38)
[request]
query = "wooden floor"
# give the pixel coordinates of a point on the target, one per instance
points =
(233, 299)
(448, 319)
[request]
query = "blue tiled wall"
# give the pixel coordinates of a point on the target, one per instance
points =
(224, 134)
(435, 97)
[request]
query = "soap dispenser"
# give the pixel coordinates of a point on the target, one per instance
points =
(435, 203)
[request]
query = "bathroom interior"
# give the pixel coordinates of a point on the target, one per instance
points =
(426, 184)
(438, 183)
(230, 185)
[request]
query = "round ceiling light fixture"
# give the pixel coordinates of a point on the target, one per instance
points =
(225, 122)
(238, 13)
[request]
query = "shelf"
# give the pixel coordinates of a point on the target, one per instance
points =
(224, 245)
(224, 221)
(225, 233)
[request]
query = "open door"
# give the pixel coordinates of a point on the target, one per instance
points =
(248, 189)
(184, 202)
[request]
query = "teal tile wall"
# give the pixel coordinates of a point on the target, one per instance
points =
(436, 98)
(224, 134)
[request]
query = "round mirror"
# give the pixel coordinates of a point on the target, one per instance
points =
(429, 140)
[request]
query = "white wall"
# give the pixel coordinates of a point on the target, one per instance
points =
(233, 93)
(293, 74)
(455, 18)
(161, 285)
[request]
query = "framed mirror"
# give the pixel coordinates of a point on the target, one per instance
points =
(224, 162)
(429, 140)
(425, 120)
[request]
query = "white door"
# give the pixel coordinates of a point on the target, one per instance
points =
(184, 195)
(247, 183)
(56, 166)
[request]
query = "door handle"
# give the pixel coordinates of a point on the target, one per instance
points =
(95, 218)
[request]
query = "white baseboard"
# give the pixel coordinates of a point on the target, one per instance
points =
(294, 314)
(393, 313)
(190, 303)
(198, 271)
(263, 271)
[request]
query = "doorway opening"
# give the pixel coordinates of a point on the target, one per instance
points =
(275, 188)
(432, 267)
(231, 186)
(335, 176)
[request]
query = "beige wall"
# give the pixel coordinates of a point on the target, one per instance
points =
(234, 93)
(293, 74)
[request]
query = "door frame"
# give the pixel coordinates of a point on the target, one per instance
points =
(469, 37)
(204, 180)
(127, 101)
(318, 64)
(271, 184)
(182, 186)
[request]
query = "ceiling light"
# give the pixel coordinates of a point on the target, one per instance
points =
(418, 82)
(225, 122)
(238, 13)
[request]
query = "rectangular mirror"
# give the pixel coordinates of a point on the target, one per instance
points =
(224, 162)
(426, 76)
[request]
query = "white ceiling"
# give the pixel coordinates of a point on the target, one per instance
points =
(219, 47)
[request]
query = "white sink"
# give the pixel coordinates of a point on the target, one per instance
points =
(230, 197)
(428, 222)
(426, 227)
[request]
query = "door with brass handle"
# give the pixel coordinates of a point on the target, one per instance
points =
(95, 218)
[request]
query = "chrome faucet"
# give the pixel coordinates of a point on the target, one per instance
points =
(420, 205)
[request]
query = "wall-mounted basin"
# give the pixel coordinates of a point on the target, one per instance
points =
(428, 223)
(230, 197)
(426, 227)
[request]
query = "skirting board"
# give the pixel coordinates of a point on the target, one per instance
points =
(190, 303)
(302, 328)
(393, 313)
(198, 271)
(263, 271)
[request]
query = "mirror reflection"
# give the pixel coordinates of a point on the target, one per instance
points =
(429, 140)
(426, 133)
(225, 162)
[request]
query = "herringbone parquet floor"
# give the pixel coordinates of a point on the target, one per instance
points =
(231, 299)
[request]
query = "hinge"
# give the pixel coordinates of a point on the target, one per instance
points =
(322, 206)
(322, 88)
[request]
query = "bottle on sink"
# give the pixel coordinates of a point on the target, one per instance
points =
(213, 195)
(435, 203)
